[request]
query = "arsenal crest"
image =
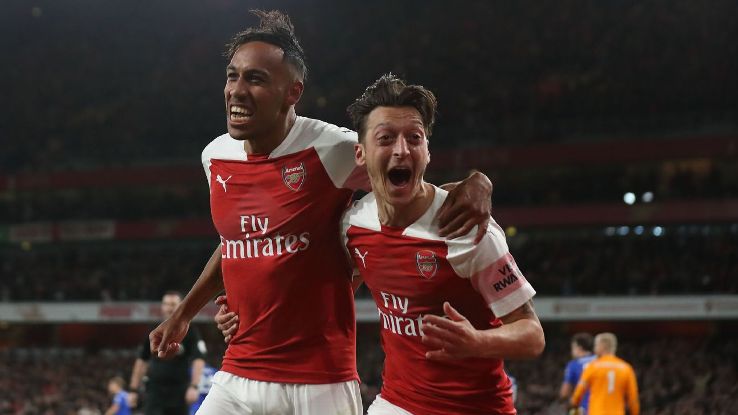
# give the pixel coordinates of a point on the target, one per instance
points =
(294, 176)
(427, 263)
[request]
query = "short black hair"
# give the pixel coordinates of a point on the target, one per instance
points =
(583, 340)
(173, 292)
(274, 28)
(391, 91)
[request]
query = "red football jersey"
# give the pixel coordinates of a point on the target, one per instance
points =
(410, 273)
(283, 262)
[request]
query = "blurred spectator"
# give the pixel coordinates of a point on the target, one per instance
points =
(102, 272)
(704, 383)
(132, 83)
(67, 381)
(513, 187)
(684, 260)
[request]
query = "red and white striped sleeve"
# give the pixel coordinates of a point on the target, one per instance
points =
(491, 269)
(335, 147)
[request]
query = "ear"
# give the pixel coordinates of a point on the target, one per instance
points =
(359, 154)
(294, 92)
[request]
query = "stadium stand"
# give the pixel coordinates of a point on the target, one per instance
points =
(576, 112)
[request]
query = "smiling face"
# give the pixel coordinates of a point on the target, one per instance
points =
(394, 149)
(259, 91)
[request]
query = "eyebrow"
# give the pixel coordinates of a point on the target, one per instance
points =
(387, 124)
(230, 68)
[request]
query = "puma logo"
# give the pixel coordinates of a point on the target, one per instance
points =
(223, 182)
(363, 257)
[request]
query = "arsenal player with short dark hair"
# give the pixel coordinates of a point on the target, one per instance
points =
(433, 365)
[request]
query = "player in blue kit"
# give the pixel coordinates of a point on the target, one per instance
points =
(206, 381)
(120, 404)
(581, 352)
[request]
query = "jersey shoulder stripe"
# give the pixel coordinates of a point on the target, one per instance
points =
(363, 213)
(334, 146)
(488, 264)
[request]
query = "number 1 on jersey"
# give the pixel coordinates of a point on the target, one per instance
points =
(610, 381)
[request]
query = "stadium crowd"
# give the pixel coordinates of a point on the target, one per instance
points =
(675, 376)
(131, 203)
(122, 90)
(566, 262)
(92, 272)
(530, 187)
(72, 381)
(51, 381)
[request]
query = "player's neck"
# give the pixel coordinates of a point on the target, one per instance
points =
(402, 216)
(267, 143)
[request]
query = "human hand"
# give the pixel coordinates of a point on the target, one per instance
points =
(165, 339)
(191, 395)
(227, 321)
(450, 338)
(468, 203)
(133, 399)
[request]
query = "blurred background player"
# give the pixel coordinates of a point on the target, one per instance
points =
(120, 405)
(610, 381)
(433, 365)
(581, 353)
(171, 385)
(206, 382)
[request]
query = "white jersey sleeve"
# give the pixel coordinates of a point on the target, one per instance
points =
(491, 268)
(223, 147)
(335, 147)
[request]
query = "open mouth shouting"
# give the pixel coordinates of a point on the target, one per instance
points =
(239, 114)
(400, 176)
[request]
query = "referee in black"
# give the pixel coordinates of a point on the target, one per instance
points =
(170, 385)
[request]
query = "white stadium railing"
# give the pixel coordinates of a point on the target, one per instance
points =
(708, 307)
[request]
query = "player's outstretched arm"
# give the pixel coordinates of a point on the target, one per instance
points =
(468, 204)
(193, 391)
(565, 391)
(520, 337)
(137, 373)
(165, 339)
(567, 387)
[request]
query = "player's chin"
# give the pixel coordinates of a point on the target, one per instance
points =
(399, 195)
(238, 132)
